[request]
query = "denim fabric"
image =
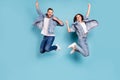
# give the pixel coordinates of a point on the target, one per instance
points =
(46, 44)
(76, 27)
(82, 45)
(39, 22)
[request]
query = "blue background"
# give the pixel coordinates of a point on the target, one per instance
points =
(19, 42)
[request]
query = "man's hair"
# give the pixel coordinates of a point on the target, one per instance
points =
(49, 9)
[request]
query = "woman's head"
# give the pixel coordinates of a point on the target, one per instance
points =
(78, 17)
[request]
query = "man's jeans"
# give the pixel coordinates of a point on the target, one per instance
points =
(46, 44)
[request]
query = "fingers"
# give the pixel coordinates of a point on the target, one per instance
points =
(89, 5)
(66, 21)
(37, 3)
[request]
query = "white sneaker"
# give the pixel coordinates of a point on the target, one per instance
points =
(72, 45)
(73, 50)
(58, 47)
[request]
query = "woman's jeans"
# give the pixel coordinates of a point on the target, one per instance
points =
(46, 44)
(82, 47)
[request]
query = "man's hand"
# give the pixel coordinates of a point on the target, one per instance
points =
(59, 21)
(37, 4)
(54, 18)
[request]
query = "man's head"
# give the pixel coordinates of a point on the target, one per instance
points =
(50, 12)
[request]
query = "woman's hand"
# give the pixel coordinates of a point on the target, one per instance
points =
(67, 24)
(89, 5)
(88, 11)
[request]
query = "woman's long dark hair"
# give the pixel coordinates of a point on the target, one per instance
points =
(75, 19)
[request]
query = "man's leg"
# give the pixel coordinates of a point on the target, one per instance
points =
(43, 43)
(49, 47)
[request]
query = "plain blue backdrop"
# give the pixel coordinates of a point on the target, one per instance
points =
(19, 42)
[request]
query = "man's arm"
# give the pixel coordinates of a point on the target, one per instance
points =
(88, 11)
(59, 21)
(37, 8)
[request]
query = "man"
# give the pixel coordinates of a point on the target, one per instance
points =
(47, 22)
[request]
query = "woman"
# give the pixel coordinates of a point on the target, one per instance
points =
(81, 25)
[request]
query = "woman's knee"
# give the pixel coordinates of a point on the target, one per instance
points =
(86, 54)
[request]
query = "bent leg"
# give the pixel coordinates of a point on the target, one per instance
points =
(84, 46)
(42, 45)
(49, 43)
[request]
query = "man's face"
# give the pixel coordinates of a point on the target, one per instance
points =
(49, 13)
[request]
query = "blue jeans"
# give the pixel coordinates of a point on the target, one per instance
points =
(82, 46)
(46, 44)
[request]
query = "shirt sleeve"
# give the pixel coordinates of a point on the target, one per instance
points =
(72, 29)
(86, 18)
(40, 13)
(57, 24)
(91, 24)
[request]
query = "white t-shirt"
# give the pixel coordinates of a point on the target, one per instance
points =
(84, 27)
(45, 28)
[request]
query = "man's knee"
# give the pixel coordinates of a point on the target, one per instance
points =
(42, 51)
(47, 49)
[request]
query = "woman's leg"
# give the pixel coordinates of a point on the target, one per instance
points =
(84, 46)
(75, 47)
(79, 49)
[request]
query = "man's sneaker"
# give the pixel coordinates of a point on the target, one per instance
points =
(72, 45)
(58, 47)
(73, 50)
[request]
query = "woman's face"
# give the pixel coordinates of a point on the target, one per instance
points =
(78, 18)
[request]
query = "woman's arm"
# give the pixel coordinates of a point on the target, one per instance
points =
(67, 24)
(88, 11)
